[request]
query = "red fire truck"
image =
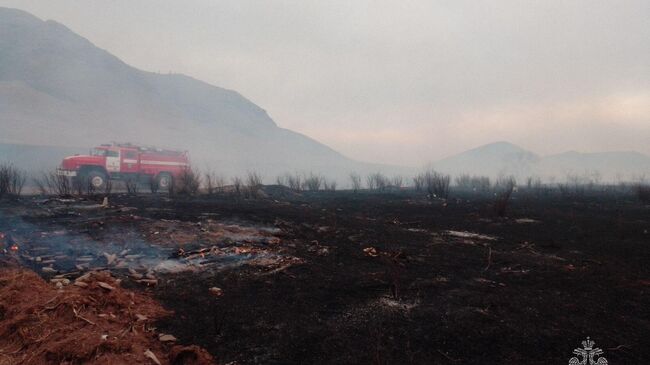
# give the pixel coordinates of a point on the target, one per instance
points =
(125, 161)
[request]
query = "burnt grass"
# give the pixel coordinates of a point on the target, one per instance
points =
(423, 295)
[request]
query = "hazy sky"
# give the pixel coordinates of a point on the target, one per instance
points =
(402, 82)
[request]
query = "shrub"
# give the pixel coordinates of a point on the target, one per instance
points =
(473, 183)
(82, 185)
(293, 182)
(237, 185)
(435, 184)
(397, 182)
(187, 183)
(355, 179)
(313, 182)
(213, 183)
(131, 185)
(576, 185)
(52, 183)
(12, 180)
(253, 183)
(377, 181)
(418, 182)
(533, 182)
(329, 185)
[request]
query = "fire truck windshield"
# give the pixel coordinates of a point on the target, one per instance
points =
(98, 152)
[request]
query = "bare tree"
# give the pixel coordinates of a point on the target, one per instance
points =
(355, 179)
(505, 186)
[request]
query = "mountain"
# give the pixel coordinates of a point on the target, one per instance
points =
(503, 158)
(499, 158)
(58, 89)
(610, 166)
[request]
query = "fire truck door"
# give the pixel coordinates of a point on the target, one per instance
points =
(129, 162)
(113, 161)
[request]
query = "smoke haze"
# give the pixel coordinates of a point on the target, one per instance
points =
(402, 83)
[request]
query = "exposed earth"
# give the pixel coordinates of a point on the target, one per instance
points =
(325, 278)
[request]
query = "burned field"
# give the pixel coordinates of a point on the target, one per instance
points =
(342, 278)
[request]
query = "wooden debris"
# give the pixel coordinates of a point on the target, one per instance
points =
(371, 251)
(110, 258)
(166, 338)
(152, 356)
(217, 292)
(63, 281)
(105, 285)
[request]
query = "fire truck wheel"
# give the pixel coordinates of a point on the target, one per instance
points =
(164, 180)
(97, 179)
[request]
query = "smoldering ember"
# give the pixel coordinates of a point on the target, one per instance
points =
(461, 183)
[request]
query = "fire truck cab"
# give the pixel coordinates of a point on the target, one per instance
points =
(126, 162)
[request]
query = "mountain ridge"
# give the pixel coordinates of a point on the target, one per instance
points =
(505, 158)
(57, 88)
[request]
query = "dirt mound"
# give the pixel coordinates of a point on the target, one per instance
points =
(91, 321)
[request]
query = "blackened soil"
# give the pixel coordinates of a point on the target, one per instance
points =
(530, 296)
(528, 293)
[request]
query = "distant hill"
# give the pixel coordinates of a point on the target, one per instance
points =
(610, 166)
(503, 158)
(58, 89)
(500, 158)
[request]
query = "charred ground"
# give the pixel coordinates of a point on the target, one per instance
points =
(345, 278)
